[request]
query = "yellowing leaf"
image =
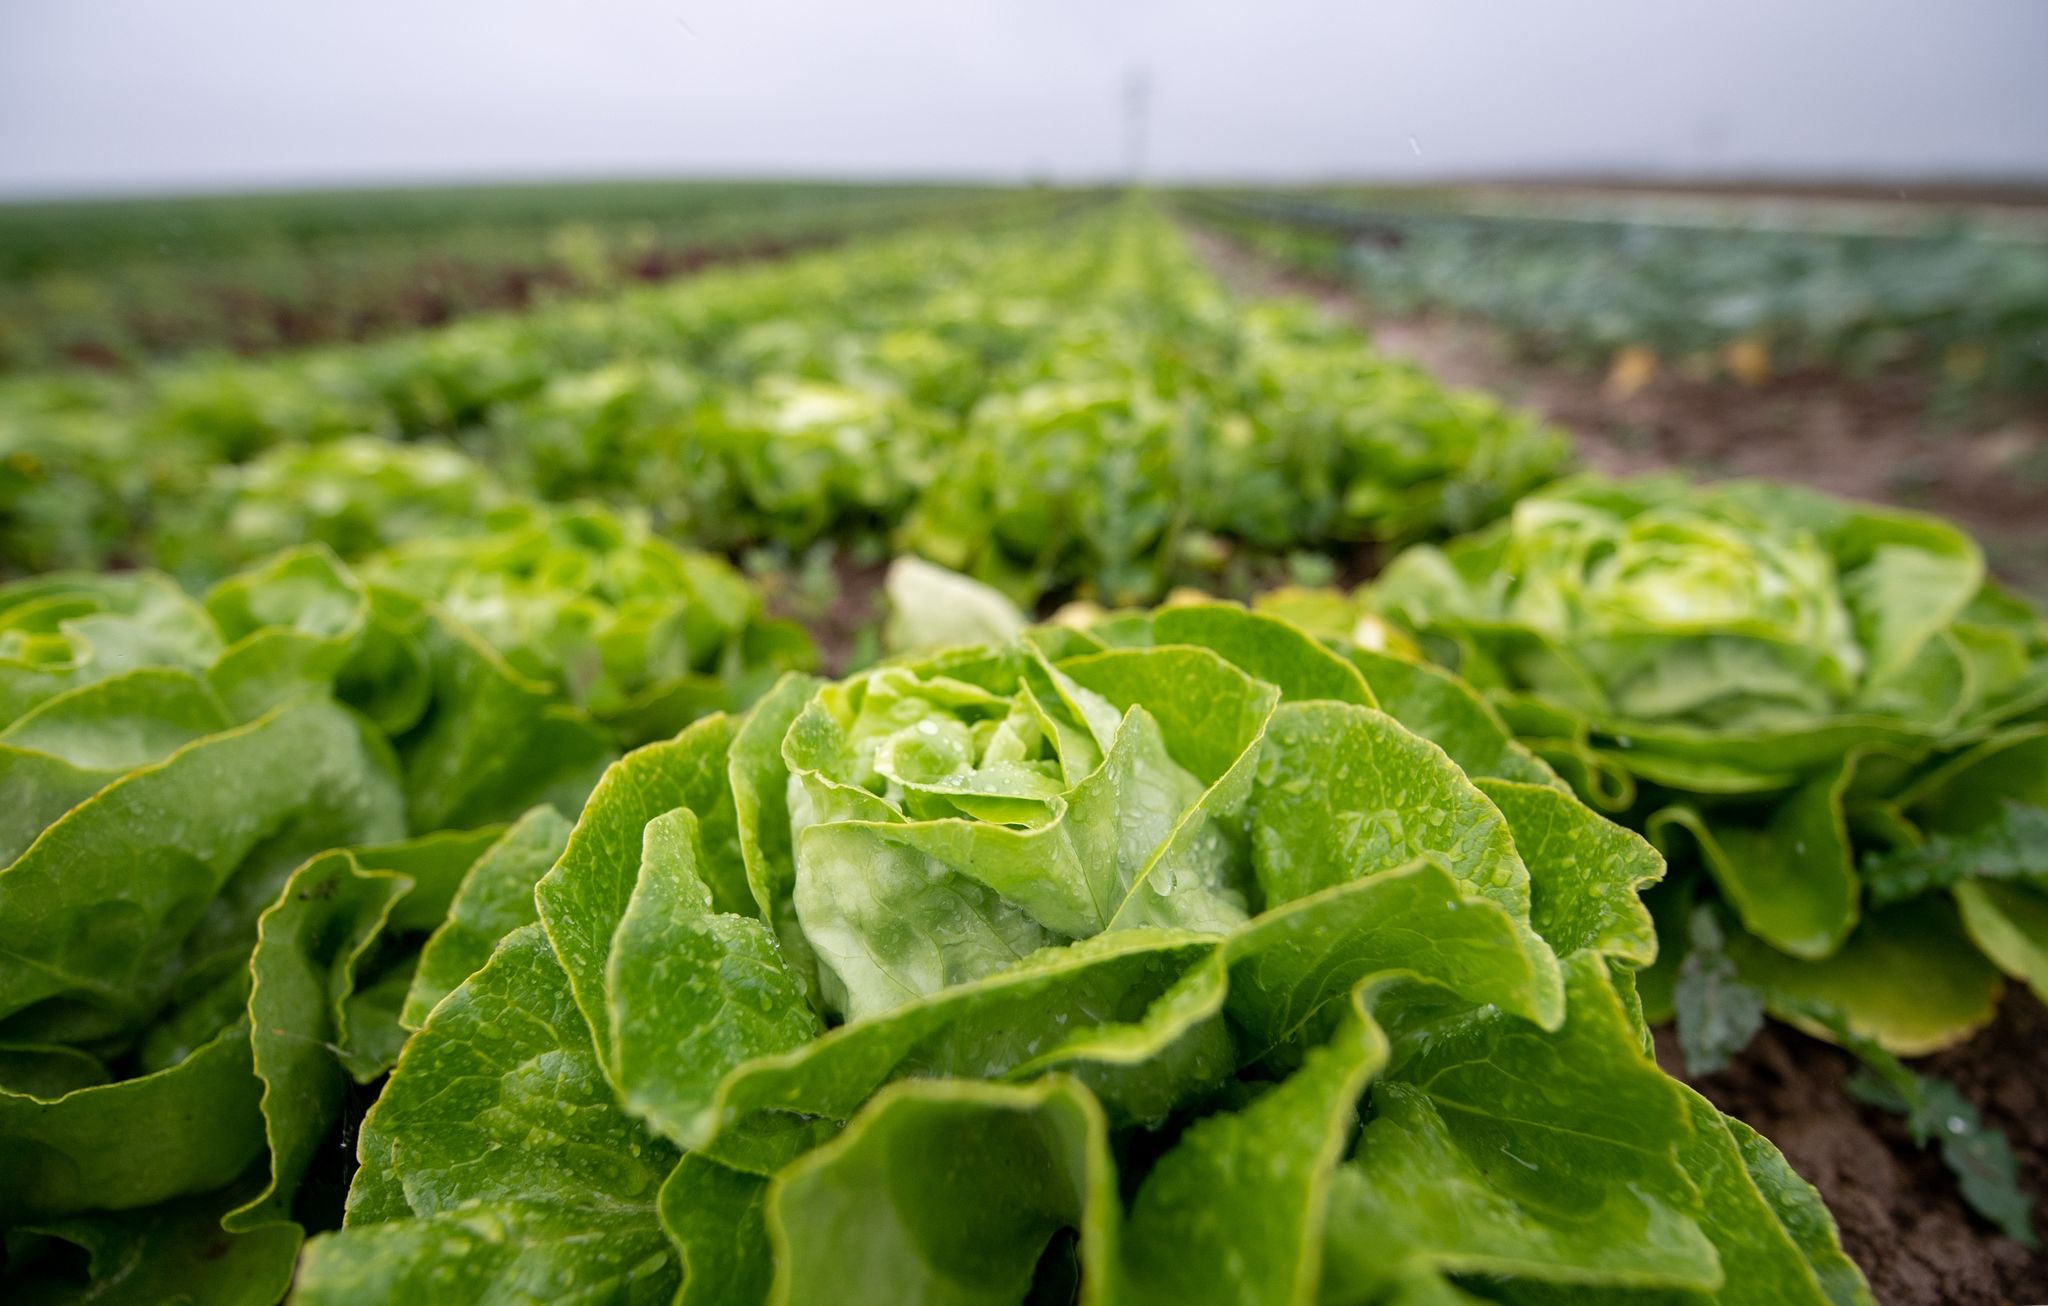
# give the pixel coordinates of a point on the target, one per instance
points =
(1632, 369)
(1748, 360)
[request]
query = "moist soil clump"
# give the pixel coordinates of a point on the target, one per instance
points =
(1900, 1214)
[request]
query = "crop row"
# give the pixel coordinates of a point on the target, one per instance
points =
(1065, 406)
(1967, 310)
(118, 284)
(1301, 953)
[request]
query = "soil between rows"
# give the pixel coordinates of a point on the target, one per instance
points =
(1897, 1205)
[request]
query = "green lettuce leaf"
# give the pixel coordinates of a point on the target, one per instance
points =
(535, 1183)
(1408, 1051)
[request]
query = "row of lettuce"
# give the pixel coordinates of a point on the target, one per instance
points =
(1825, 716)
(1184, 957)
(1193, 953)
(1967, 309)
(235, 822)
(1051, 407)
(119, 283)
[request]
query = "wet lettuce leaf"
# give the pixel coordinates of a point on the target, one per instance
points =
(1820, 707)
(259, 836)
(1051, 970)
(1821, 711)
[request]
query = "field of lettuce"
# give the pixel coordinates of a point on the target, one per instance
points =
(117, 285)
(1963, 301)
(973, 765)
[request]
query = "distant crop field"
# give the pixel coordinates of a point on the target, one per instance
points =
(1747, 289)
(114, 283)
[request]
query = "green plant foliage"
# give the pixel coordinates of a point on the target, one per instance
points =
(1965, 307)
(252, 839)
(101, 282)
(355, 496)
(1824, 706)
(1052, 407)
(1936, 1112)
(1821, 711)
(1164, 963)
(642, 635)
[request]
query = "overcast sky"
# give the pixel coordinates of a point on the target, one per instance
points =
(183, 94)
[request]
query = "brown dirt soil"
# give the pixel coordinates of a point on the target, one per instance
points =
(843, 610)
(1897, 1206)
(440, 290)
(1873, 440)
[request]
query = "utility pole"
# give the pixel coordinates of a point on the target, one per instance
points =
(1137, 101)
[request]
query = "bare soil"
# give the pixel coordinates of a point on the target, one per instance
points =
(1881, 440)
(441, 290)
(1897, 1206)
(842, 608)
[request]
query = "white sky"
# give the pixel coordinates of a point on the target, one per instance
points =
(182, 94)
